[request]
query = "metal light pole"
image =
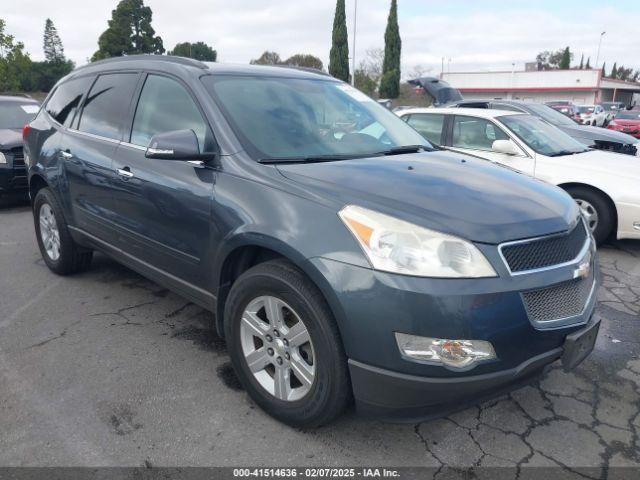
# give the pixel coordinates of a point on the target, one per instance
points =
(353, 57)
(599, 44)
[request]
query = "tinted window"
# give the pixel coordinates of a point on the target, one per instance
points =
(428, 125)
(476, 133)
(65, 100)
(165, 106)
(16, 115)
(107, 105)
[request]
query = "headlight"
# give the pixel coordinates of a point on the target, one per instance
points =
(393, 245)
(3, 159)
(452, 353)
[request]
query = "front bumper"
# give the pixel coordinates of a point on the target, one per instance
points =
(13, 178)
(628, 220)
(370, 306)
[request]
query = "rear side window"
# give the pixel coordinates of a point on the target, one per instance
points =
(428, 125)
(165, 106)
(475, 133)
(64, 102)
(107, 105)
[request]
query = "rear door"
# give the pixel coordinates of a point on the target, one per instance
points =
(475, 136)
(89, 150)
(163, 207)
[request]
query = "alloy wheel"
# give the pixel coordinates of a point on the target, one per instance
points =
(277, 348)
(589, 213)
(49, 233)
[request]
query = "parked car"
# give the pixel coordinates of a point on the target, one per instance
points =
(339, 263)
(626, 121)
(593, 115)
(604, 184)
(611, 108)
(568, 109)
(15, 113)
(593, 137)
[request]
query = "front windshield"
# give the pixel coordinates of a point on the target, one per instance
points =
(585, 109)
(542, 137)
(292, 118)
(629, 115)
(550, 115)
(609, 106)
(15, 115)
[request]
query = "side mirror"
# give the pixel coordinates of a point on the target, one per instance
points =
(176, 145)
(506, 147)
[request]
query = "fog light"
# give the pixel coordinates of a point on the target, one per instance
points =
(450, 353)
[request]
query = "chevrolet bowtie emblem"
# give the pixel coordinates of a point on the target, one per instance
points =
(582, 270)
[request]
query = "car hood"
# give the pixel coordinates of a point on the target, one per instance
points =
(444, 191)
(596, 133)
(10, 138)
(594, 162)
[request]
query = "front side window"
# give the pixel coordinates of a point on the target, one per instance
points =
(165, 106)
(475, 133)
(542, 137)
(294, 118)
(107, 105)
(428, 125)
(64, 102)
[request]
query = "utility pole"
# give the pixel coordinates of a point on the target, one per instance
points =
(599, 44)
(353, 57)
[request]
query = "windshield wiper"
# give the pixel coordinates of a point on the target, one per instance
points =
(562, 153)
(310, 159)
(404, 149)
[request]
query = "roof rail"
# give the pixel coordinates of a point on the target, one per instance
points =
(304, 69)
(15, 94)
(154, 58)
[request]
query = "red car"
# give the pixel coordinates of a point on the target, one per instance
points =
(627, 121)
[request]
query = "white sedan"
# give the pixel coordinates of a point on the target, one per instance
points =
(593, 115)
(606, 185)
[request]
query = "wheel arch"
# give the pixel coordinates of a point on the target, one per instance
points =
(605, 195)
(36, 183)
(248, 250)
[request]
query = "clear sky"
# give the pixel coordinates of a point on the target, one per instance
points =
(474, 34)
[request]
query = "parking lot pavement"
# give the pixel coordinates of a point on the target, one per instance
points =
(107, 368)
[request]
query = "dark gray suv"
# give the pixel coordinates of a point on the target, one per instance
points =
(344, 257)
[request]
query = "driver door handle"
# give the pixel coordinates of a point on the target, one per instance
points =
(125, 173)
(66, 154)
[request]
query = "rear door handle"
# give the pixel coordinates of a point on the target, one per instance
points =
(125, 173)
(66, 154)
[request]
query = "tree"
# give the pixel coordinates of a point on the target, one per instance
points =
(565, 61)
(604, 70)
(198, 50)
(339, 54)
(588, 65)
(129, 32)
(53, 49)
(369, 71)
(304, 60)
(15, 64)
(614, 71)
(390, 82)
(549, 60)
(581, 67)
(267, 58)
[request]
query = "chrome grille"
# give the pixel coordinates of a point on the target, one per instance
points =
(564, 300)
(545, 251)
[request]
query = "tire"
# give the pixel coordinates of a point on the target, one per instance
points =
(71, 257)
(605, 221)
(329, 393)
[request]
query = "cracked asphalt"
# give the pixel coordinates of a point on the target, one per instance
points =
(107, 368)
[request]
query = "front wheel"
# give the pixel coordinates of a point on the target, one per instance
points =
(285, 346)
(596, 210)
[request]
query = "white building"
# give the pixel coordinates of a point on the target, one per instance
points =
(578, 86)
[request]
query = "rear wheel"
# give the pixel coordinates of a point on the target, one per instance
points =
(285, 346)
(596, 210)
(58, 249)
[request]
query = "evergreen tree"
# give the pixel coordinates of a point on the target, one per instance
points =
(53, 49)
(339, 55)
(581, 67)
(390, 83)
(614, 70)
(130, 32)
(604, 70)
(565, 62)
(588, 65)
(198, 50)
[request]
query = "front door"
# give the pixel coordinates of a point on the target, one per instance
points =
(475, 136)
(163, 207)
